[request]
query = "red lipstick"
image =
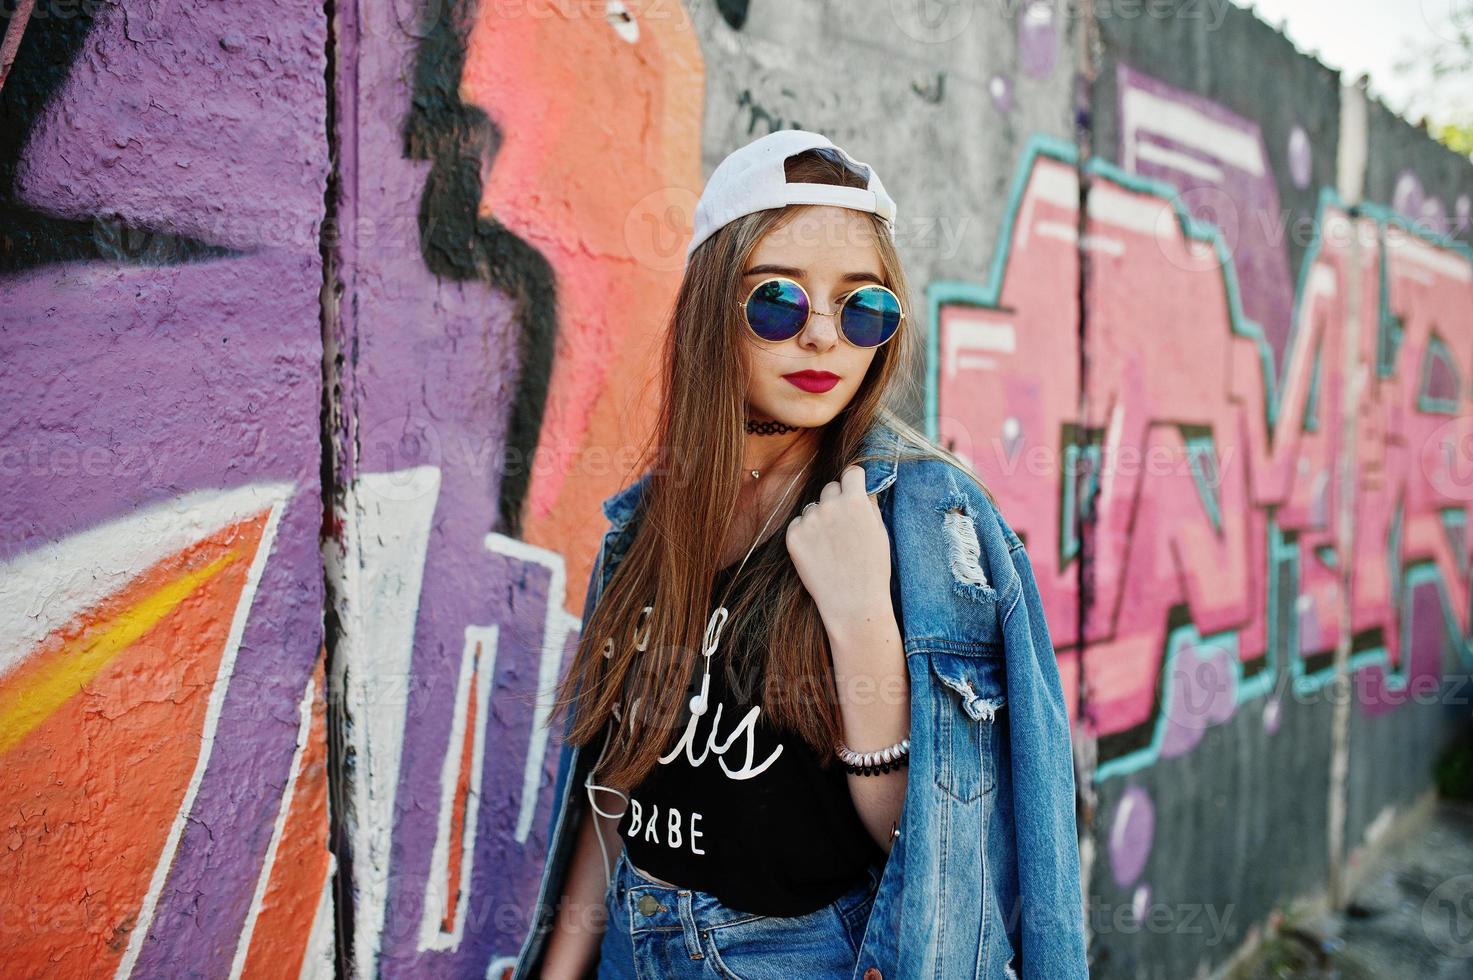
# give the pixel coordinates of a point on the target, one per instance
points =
(814, 381)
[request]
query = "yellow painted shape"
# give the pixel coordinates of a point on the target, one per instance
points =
(26, 705)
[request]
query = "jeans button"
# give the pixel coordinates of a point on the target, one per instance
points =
(873, 973)
(648, 904)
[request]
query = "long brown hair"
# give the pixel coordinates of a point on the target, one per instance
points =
(686, 510)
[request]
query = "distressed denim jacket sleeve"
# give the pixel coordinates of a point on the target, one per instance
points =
(990, 859)
(1050, 899)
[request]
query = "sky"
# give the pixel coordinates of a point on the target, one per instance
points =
(1357, 36)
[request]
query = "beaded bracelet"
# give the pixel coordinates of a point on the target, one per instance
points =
(874, 763)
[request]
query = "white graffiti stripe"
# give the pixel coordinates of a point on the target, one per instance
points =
(1146, 112)
(386, 520)
(1444, 262)
(318, 961)
(212, 714)
(1055, 183)
(43, 590)
(478, 658)
(1162, 156)
(1146, 214)
(304, 732)
(972, 331)
(556, 627)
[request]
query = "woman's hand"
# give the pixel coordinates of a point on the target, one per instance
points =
(841, 550)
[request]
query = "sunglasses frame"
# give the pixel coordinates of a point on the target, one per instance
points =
(812, 312)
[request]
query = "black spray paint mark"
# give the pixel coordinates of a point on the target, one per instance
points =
(734, 12)
(460, 143)
(30, 237)
(759, 119)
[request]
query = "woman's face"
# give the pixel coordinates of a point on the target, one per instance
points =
(831, 251)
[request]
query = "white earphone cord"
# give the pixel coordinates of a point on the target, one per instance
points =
(698, 703)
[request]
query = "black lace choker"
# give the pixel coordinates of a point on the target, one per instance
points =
(773, 428)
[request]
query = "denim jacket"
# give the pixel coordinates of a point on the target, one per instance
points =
(983, 880)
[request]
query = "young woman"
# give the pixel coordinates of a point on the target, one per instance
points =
(782, 780)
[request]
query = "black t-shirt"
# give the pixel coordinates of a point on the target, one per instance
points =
(770, 832)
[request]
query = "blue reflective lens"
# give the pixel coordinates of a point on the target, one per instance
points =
(871, 316)
(777, 309)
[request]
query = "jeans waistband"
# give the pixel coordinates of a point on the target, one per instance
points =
(660, 906)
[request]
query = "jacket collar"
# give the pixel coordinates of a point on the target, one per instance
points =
(881, 441)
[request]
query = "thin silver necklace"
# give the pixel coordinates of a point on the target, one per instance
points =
(699, 703)
(756, 473)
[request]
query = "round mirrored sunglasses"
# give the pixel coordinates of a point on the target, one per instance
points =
(778, 308)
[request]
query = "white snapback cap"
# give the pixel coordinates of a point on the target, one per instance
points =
(751, 178)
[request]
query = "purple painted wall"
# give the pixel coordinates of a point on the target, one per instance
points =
(165, 169)
(425, 369)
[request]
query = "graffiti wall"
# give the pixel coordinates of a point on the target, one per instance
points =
(516, 190)
(313, 388)
(162, 689)
(1235, 266)
(505, 253)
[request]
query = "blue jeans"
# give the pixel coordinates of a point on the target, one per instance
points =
(658, 932)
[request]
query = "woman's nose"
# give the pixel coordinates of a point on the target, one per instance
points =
(821, 331)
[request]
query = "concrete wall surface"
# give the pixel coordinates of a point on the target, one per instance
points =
(325, 328)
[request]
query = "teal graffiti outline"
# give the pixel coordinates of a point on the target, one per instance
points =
(1437, 348)
(986, 294)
